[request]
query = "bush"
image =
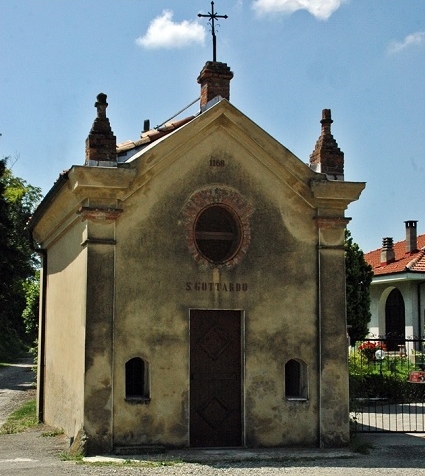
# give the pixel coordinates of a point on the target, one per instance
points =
(389, 387)
(11, 346)
(387, 379)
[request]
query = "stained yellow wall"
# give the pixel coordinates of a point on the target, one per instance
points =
(153, 301)
(65, 332)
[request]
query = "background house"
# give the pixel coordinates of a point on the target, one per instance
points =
(194, 285)
(398, 288)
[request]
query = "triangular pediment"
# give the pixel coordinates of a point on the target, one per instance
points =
(223, 126)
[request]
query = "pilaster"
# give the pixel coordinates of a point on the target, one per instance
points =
(333, 347)
(100, 303)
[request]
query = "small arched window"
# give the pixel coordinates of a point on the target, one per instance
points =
(136, 379)
(295, 380)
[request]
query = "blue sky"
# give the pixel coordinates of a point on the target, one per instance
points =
(363, 59)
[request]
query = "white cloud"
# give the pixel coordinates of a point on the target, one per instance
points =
(414, 39)
(321, 9)
(164, 33)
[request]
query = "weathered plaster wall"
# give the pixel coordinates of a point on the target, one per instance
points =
(333, 350)
(65, 332)
(153, 298)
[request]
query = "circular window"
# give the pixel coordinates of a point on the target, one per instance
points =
(217, 233)
(217, 225)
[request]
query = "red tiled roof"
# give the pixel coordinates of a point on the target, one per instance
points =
(152, 135)
(414, 262)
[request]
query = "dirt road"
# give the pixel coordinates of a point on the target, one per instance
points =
(16, 386)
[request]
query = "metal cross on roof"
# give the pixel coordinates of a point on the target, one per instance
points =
(213, 16)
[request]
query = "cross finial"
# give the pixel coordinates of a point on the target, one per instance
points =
(213, 16)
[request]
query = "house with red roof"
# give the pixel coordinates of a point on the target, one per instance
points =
(398, 288)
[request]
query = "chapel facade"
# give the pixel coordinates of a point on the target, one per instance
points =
(194, 286)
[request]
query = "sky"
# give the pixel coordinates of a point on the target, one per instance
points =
(363, 59)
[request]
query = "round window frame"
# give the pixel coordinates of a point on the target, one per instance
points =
(236, 240)
(235, 204)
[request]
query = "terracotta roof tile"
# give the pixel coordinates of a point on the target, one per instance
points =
(414, 262)
(152, 135)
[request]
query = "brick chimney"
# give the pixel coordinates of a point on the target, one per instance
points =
(387, 251)
(327, 157)
(101, 144)
(215, 81)
(411, 236)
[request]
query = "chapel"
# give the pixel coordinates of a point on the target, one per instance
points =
(193, 286)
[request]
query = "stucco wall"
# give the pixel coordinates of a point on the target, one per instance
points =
(99, 357)
(153, 299)
(65, 332)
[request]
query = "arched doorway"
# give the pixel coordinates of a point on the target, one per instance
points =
(395, 320)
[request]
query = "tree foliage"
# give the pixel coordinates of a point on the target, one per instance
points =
(18, 262)
(359, 276)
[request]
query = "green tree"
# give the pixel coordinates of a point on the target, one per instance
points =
(359, 276)
(18, 263)
(32, 298)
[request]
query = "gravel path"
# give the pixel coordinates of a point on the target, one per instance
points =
(35, 453)
(16, 386)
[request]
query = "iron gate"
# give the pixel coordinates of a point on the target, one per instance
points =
(387, 385)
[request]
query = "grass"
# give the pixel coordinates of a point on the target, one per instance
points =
(64, 456)
(52, 433)
(21, 419)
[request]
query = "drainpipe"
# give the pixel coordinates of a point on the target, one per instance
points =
(319, 333)
(41, 325)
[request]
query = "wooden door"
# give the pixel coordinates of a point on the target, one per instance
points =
(395, 321)
(215, 378)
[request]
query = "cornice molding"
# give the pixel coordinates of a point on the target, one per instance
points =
(99, 214)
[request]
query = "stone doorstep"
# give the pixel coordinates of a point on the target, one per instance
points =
(139, 450)
(221, 455)
(227, 455)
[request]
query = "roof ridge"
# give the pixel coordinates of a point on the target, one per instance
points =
(420, 254)
(395, 244)
(404, 241)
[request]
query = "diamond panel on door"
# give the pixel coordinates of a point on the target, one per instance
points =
(214, 343)
(215, 378)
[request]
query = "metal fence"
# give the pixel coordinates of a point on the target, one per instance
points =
(387, 385)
